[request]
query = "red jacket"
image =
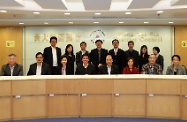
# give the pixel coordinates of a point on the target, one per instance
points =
(126, 70)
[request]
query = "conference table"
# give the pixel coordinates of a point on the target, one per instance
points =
(146, 96)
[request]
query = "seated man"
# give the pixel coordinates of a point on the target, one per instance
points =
(85, 68)
(109, 68)
(152, 67)
(39, 68)
(12, 68)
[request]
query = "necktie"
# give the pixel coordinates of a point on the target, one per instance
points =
(99, 53)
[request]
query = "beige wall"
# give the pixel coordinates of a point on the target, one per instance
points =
(10, 34)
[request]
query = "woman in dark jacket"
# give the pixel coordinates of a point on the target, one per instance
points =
(143, 57)
(64, 68)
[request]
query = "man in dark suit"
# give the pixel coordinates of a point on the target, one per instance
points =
(117, 55)
(98, 55)
(12, 68)
(132, 53)
(52, 55)
(81, 52)
(39, 68)
(85, 68)
(109, 68)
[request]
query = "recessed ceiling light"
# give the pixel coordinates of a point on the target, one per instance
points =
(170, 22)
(3, 11)
(97, 13)
(46, 23)
(128, 12)
(70, 22)
(146, 22)
(36, 12)
(67, 13)
(96, 22)
(21, 23)
(160, 12)
(121, 22)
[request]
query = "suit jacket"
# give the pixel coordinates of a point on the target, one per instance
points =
(45, 69)
(134, 54)
(114, 69)
(48, 56)
(160, 60)
(80, 70)
(59, 70)
(94, 57)
(142, 61)
(18, 70)
(118, 59)
(79, 57)
(180, 70)
(70, 63)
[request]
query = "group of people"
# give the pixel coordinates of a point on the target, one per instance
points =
(98, 61)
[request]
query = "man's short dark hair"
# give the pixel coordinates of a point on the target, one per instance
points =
(157, 49)
(114, 41)
(12, 54)
(176, 56)
(83, 43)
(99, 40)
(39, 53)
(85, 55)
(130, 42)
(53, 37)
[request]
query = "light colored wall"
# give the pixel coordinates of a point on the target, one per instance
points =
(161, 36)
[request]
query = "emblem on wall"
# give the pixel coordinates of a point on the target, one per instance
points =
(96, 35)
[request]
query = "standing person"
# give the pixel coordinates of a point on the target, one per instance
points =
(85, 68)
(83, 51)
(130, 69)
(143, 57)
(52, 55)
(64, 68)
(117, 55)
(12, 68)
(159, 58)
(176, 68)
(109, 68)
(39, 68)
(151, 67)
(132, 53)
(71, 57)
(98, 55)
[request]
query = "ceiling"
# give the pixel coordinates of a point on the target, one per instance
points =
(82, 12)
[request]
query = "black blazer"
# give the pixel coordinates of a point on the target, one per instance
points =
(135, 55)
(70, 62)
(114, 69)
(94, 57)
(80, 70)
(79, 57)
(160, 60)
(59, 70)
(18, 70)
(45, 69)
(48, 56)
(118, 59)
(142, 61)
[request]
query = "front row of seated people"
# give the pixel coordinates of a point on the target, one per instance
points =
(86, 68)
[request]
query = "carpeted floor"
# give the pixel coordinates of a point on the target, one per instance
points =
(100, 119)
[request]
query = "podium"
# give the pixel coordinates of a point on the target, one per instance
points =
(31, 97)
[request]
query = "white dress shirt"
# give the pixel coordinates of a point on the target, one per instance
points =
(11, 70)
(109, 69)
(115, 51)
(54, 56)
(63, 70)
(39, 69)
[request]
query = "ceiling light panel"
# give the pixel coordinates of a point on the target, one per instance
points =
(136, 4)
(97, 4)
(9, 3)
(51, 4)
